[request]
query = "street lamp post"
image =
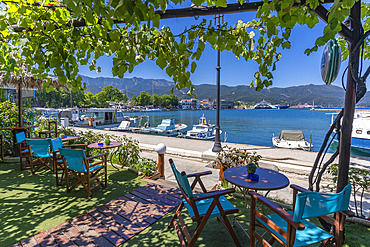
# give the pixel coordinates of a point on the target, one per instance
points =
(217, 146)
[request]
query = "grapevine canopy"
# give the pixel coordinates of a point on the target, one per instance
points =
(56, 37)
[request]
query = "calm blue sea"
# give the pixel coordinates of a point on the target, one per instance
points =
(255, 127)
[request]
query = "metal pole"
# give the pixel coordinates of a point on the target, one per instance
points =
(20, 105)
(71, 97)
(217, 146)
(349, 105)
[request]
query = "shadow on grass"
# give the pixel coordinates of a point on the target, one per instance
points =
(32, 203)
(215, 234)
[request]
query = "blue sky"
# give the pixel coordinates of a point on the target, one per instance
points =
(294, 69)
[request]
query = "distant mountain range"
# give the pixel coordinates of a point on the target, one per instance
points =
(327, 96)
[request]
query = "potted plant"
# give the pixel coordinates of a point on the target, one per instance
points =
(107, 141)
(251, 167)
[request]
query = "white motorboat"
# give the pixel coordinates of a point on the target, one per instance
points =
(360, 132)
(127, 124)
(169, 128)
(292, 139)
(202, 131)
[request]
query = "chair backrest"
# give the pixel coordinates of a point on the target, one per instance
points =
(20, 137)
(182, 180)
(313, 204)
(56, 144)
(75, 159)
(40, 147)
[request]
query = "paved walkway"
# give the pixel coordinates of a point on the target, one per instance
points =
(112, 223)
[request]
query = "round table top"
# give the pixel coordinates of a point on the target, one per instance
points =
(68, 138)
(268, 179)
(104, 146)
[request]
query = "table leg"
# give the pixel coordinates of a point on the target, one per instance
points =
(237, 219)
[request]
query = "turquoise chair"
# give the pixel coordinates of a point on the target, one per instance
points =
(292, 228)
(201, 207)
(40, 154)
(77, 166)
(56, 144)
(20, 138)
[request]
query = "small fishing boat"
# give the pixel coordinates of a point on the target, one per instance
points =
(169, 128)
(292, 139)
(202, 131)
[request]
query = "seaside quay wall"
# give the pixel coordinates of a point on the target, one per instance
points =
(291, 162)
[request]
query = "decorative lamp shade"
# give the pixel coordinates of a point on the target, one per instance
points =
(161, 148)
(330, 62)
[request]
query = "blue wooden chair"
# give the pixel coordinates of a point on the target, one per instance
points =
(23, 149)
(201, 207)
(77, 166)
(40, 155)
(56, 144)
(292, 228)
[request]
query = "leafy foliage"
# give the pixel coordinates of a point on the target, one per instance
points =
(127, 155)
(9, 118)
(58, 36)
(360, 181)
(231, 157)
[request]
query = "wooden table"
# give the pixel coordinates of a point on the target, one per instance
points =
(268, 180)
(69, 138)
(106, 146)
(15, 130)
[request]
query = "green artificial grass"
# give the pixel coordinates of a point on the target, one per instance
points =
(215, 234)
(32, 203)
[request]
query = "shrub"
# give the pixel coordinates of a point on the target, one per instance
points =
(360, 181)
(231, 157)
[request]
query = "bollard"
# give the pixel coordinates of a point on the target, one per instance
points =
(161, 149)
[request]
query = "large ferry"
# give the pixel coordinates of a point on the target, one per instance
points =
(264, 105)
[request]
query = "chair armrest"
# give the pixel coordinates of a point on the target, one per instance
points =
(96, 156)
(198, 174)
(348, 213)
(277, 209)
(299, 188)
(213, 194)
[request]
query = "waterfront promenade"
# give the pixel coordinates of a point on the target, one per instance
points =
(196, 156)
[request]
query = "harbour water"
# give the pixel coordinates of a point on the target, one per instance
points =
(254, 127)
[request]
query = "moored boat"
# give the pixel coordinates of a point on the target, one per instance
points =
(360, 140)
(169, 128)
(202, 130)
(264, 105)
(292, 139)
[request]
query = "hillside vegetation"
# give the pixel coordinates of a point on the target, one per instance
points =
(327, 96)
